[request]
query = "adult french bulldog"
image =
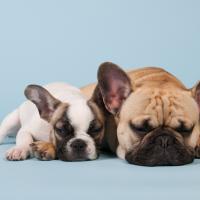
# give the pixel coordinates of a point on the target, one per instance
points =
(155, 116)
(56, 122)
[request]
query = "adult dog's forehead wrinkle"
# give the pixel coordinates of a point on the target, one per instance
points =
(155, 77)
(163, 107)
(181, 110)
(155, 107)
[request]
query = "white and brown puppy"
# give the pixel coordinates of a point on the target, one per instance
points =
(157, 119)
(58, 121)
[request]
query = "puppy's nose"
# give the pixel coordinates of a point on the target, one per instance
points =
(78, 145)
(164, 141)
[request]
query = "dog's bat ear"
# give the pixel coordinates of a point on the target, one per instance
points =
(115, 86)
(44, 101)
(196, 93)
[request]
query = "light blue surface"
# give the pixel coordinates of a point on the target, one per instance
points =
(106, 178)
(45, 41)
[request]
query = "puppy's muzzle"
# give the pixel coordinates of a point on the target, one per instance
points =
(75, 150)
(161, 147)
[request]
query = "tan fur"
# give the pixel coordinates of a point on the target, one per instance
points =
(161, 109)
(199, 142)
(88, 90)
(158, 96)
(162, 98)
(43, 150)
(153, 77)
(140, 77)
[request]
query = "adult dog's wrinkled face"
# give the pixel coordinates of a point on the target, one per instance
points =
(163, 129)
(77, 126)
(158, 121)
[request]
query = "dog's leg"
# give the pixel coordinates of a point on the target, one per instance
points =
(11, 124)
(43, 150)
(121, 152)
(22, 149)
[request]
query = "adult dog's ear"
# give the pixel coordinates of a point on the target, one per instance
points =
(44, 101)
(114, 85)
(196, 93)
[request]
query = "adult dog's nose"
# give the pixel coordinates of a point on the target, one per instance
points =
(164, 141)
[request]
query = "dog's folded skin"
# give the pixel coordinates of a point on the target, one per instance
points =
(57, 123)
(156, 117)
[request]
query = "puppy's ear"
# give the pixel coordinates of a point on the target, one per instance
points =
(114, 85)
(196, 93)
(44, 101)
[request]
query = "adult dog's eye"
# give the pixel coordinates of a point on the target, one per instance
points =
(143, 128)
(185, 131)
(95, 127)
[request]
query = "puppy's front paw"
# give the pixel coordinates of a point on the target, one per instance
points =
(17, 153)
(197, 152)
(43, 150)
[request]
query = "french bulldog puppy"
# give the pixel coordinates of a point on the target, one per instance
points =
(155, 116)
(56, 122)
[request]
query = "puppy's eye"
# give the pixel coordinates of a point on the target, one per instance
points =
(65, 130)
(185, 131)
(95, 127)
(143, 128)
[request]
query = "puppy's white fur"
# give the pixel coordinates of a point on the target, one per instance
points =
(29, 126)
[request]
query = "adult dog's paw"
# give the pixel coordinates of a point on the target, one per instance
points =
(43, 150)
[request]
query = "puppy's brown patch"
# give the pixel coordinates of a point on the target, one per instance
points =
(98, 115)
(110, 141)
(43, 150)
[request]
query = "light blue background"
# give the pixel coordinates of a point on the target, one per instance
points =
(42, 41)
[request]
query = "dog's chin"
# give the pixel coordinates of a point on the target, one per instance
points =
(153, 155)
(75, 157)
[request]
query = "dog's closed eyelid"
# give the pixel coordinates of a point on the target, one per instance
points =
(144, 127)
(182, 128)
(95, 127)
